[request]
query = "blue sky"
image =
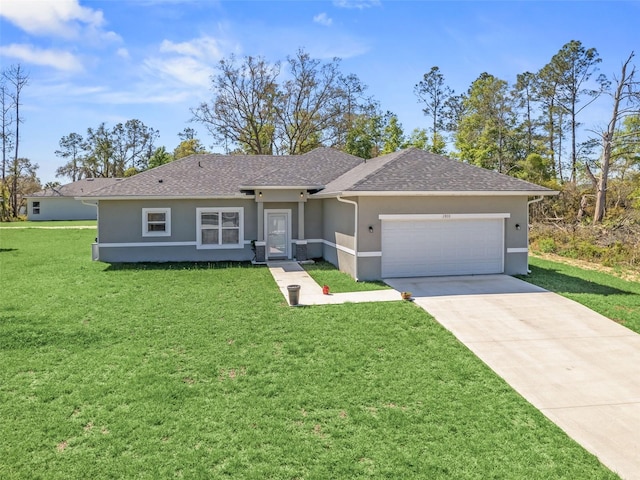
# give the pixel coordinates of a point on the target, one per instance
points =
(111, 61)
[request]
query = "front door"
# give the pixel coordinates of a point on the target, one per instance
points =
(278, 224)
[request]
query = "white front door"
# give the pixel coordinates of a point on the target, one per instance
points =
(278, 234)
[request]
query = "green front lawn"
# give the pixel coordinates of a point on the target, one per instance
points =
(200, 372)
(324, 273)
(49, 223)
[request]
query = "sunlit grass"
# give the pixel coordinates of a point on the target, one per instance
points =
(607, 294)
(48, 223)
(324, 273)
(180, 370)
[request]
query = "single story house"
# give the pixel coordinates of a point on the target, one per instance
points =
(408, 213)
(60, 203)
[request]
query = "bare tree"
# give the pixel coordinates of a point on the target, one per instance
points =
(6, 121)
(17, 78)
(242, 111)
(257, 113)
(309, 104)
(626, 103)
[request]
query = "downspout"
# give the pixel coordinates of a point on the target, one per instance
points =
(355, 233)
(95, 249)
(535, 200)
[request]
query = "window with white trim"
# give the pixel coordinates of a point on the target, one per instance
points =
(156, 222)
(221, 227)
(35, 208)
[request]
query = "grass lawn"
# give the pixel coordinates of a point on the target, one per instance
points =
(52, 223)
(195, 372)
(604, 293)
(324, 273)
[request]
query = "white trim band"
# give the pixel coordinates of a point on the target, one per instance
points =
(518, 250)
(350, 251)
(442, 216)
(157, 244)
(147, 244)
(369, 254)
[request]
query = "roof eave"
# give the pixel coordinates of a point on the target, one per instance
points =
(281, 187)
(435, 193)
(168, 197)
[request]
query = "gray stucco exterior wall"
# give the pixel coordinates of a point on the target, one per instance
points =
(329, 229)
(370, 208)
(121, 238)
(339, 235)
(60, 208)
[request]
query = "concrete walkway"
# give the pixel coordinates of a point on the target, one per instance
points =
(291, 273)
(577, 367)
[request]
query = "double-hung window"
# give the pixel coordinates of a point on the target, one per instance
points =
(156, 222)
(220, 227)
(35, 208)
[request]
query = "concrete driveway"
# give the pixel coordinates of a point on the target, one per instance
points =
(579, 368)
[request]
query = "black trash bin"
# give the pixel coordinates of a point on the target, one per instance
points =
(294, 294)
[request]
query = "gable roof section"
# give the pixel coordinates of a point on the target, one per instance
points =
(211, 175)
(74, 189)
(416, 171)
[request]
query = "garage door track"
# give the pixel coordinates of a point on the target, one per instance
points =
(579, 368)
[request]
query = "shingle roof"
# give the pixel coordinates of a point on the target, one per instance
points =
(414, 170)
(313, 169)
(331, 171)
(76, 189)
(213, 175)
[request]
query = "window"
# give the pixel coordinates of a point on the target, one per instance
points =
(156, 222)
(220, 227)
(35, 208)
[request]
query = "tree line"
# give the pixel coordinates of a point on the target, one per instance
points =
(531, 129)
(523, 129)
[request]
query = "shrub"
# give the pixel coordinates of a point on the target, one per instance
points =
(547, 245)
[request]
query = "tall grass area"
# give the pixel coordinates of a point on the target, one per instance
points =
(612, 245)
(195, 371)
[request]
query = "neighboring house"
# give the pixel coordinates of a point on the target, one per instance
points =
(409, 213)
(60, 203)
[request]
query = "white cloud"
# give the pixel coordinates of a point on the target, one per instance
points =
(184, 70)
(141, 97)
(185, 63)
(123, 53)
(323, 19)
(359, 4)
(53, 17)
(206, 48)
(59, 18)
(58, 59)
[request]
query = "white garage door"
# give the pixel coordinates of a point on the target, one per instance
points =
(465, 245)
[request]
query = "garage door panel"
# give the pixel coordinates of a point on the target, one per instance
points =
(442, 247)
